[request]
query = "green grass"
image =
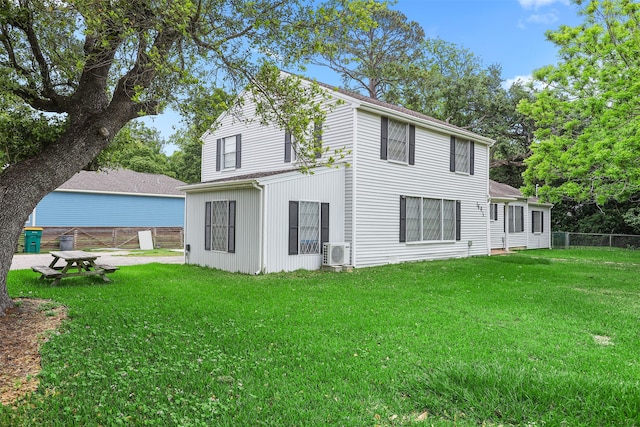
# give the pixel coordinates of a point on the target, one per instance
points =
(512, 340)
(154, 252)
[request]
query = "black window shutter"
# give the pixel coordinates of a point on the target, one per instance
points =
(384, 126)
(403, 219)
(452, 154)
(218, 153)
(317, 134)
(207, 225)
(521, 208)
(533, 222)
(324, 224)
(231, 243)
(287, 147)
(238, 151)
(412, 145)
(472, 151)
(293, 228)
(458, 220)
(542, 221)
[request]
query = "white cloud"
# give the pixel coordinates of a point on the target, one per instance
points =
(523, 80)
(544, 18)
(507, 83)
(536, 4)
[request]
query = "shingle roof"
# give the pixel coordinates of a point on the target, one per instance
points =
(255, 175)
(123, 181)
(398, 108)
(497, 189)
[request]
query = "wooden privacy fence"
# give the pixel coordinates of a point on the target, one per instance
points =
(108, 237)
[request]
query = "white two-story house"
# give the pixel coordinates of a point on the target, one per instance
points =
(411, 188)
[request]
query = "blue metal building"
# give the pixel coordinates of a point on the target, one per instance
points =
(112, 198)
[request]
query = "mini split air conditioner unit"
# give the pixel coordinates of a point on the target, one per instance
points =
(336, 253)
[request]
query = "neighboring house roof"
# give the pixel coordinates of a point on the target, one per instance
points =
(123, 181)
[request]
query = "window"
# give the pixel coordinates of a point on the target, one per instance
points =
(397, 141)
(220, 225)
(290, 153)
(228, 152)
(516, 219)
(462, 153)
(308, 227)
(493, 211)
(537, 221)
(425, 219)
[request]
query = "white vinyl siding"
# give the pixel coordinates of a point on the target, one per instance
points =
(263, 146)
(379, 186)
(539, 235)
(324, 186)
(247, 248)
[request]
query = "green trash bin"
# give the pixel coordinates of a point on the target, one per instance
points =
(32, 236)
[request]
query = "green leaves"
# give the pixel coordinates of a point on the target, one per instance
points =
(588, 145)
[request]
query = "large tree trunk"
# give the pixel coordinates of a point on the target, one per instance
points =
(23, 185)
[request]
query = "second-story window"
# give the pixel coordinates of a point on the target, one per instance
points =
(397, 141)
(228, 152)
(315, 130)
(462, 155)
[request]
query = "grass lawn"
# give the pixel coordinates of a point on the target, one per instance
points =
(537, 338)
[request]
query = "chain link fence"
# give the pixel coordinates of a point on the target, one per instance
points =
(566, 240)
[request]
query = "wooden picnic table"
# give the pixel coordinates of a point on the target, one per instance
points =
(74, 263)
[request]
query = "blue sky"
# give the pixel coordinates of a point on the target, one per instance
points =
(506, 32)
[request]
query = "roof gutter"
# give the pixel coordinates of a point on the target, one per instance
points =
(217, 186)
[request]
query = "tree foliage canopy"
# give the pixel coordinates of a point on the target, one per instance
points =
(372, 58)
(99, 64)
(588, 113)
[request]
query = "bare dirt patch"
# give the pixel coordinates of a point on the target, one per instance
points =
(602, 340)
(22, 330)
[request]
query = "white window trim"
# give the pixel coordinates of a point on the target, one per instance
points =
(226, 203)
(319, 205)
(468, 162)
(430, 242)
(224, 154)
(406, 142)
(540, 222)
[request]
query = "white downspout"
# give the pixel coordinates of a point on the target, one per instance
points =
(261, 240)
(354, 169)
(488, 204)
